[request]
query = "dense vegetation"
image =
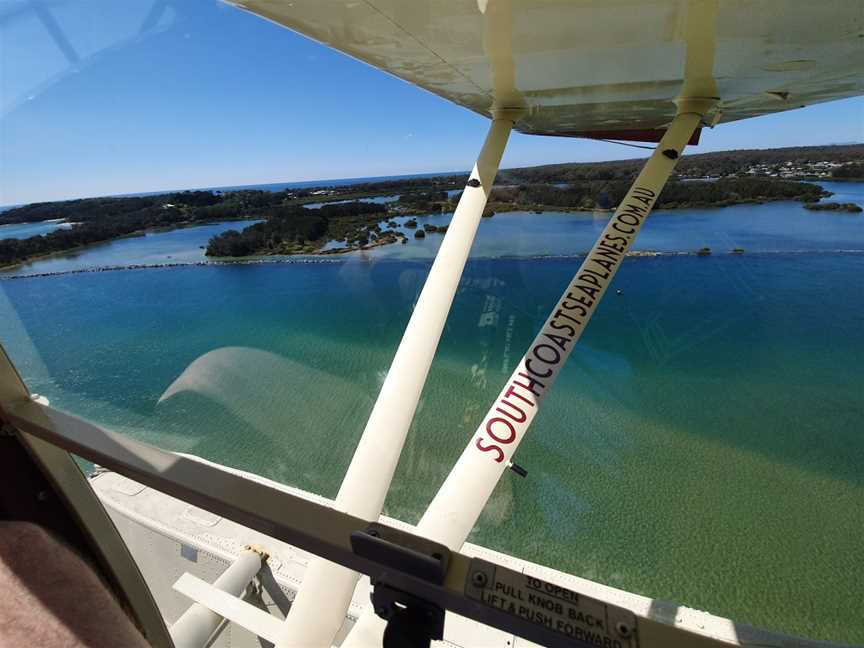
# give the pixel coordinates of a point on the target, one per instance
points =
(718, 164)
(850, 171)
(423, 202)
(607, 194)
(730, 191)
(103, 219)
(290, 228)
(845, 207)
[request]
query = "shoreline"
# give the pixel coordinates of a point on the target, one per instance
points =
(318, 260)
(493, 207)
(136, 234)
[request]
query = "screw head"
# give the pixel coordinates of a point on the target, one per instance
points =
(383, 611)
(479, 579)
(372, 532)
(623, 630)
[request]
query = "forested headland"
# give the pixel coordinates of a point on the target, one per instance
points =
(606, 194)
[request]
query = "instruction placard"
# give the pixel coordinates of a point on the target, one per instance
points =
(585, 621)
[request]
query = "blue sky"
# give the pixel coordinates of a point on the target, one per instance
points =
(214, 96)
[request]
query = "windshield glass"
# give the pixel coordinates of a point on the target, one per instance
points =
(232, 300)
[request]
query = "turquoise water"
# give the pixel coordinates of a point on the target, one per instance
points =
(704, 445)
(26, 230)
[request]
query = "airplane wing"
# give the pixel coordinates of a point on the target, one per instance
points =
(583, 66)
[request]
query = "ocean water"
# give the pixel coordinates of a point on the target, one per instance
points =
(336, 182)
(704, 445)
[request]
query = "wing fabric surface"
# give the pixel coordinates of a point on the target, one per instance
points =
(579, 66)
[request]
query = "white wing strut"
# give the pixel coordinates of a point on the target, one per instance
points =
(319, 609)
(457, 506)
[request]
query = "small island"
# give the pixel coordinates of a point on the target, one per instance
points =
(844, 207)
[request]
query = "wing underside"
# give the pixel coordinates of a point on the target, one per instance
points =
(581, 66)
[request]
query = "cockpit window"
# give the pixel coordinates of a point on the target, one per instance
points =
(703, 443)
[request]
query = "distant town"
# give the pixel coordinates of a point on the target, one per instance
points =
(823, 170)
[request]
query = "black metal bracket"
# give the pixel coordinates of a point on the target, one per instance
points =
(519, 470)
(403, 551)
(412, 622)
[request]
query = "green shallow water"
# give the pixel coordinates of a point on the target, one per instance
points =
(704, 445)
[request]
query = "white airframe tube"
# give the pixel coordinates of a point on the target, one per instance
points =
(319, 609)
(197, 625)
(457, 506)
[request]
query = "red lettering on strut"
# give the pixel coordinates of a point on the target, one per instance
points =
(490, 448)
(531, 383)
(521, 413)
(511, 431)
(511, 391)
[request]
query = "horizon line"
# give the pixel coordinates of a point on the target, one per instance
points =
(323, 181)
